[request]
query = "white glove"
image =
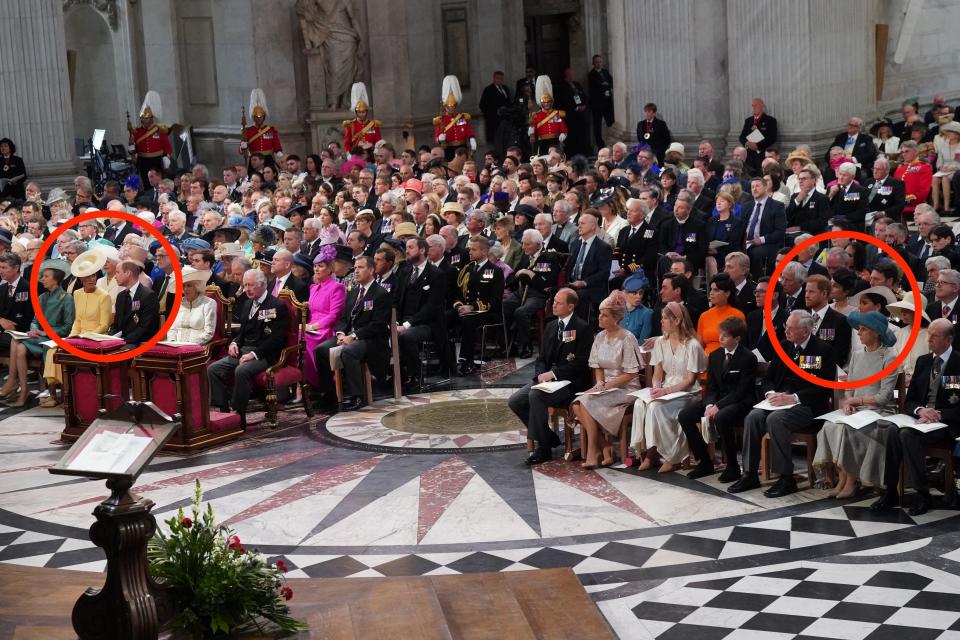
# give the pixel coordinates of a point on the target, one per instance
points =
(562, 137)
(529, 131)
(166, 162)
(278, 155)
(131, 148)
(441, 137)
(473, 144)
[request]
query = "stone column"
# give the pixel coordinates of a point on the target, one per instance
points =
(810, 60)
(35, 107)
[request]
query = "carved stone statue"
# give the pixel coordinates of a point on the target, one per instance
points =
(335, 38)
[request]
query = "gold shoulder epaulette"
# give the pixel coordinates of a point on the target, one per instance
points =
(437, 120)
(562, 114)
(466, 116)
(346, 123)
(378, 123)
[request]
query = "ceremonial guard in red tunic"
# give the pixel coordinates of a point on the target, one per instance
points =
(360, 132)
(149, 142)
(451, 129)
(260, 139)
(547, 126)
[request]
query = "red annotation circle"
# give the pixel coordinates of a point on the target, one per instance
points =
(122, 355)
(848, 384)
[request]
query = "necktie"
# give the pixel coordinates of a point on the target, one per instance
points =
(163, 294)
(925, 251)
(633, 231)
(789, 304)
(816, 323)
(253, 309)
(560, 327)
(578, 267)
(414, 274)
(276, 287)
(876, 186)
(356, 305)
(726, 360)
(754, 220)
(946, 312)
(935, 381)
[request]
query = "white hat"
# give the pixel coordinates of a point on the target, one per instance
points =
(675, 146)
(881, 291)
(88, 263)
(544, 89)
(907, 304)
(450, 93)
(358, 97)
(56, 195)
(195, 275)
(147, 216)
(228, 249)
(110, 253)
(151, 103)
(258, 102)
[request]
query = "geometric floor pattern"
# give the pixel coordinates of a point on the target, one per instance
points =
(662, 555)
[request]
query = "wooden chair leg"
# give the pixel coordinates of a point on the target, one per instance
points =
(307, 401)
(529, 445)
(567, 435)
(368, 384)
(811, 451)
(338, 385)
(948, 479)
(765, 458)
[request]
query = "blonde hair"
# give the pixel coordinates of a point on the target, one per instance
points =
(679, 314)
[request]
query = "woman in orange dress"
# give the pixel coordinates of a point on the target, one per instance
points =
(723, 305)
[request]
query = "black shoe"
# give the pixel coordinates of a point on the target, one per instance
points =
(351, 403)
(525, 352)
(225, 409)
(700, 471)
(467, 369)
(746, 482)
(243, 422)
(782, 487)
(921, 504)
(887, 501)
(730, 474)
(539, 456)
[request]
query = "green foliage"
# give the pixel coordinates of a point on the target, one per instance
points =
(218, 586)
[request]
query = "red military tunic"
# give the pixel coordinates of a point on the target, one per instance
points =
(548, 125)
(263, 141)
(917, 180)
(152, 142)
(356, 132)
(456, 127)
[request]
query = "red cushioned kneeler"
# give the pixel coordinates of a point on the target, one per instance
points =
(89, 386)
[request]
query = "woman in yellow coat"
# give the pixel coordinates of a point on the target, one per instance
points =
(92, 312)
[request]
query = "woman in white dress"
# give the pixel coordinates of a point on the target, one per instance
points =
(678, 359)
(196, 321)
(615, 360)
(906, 314)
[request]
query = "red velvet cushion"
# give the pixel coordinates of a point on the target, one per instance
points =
(224, 421)
(165, 351)
(95, 346)
(284, 377)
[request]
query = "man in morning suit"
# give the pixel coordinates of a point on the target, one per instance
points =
(757, 337)
(767, 126)
(419, 308)
(531, 284)
(564, 352)
(933, 396)
(137, 316)
(264, 324)
(830, 326)
(16, 311)
(479, 300)
(805, 401)
(588, 268)
(848, 200)
(766, 227)
(363, 330)
(280, 269)
(808, 209)
(886, 196)
(731, 376)
(855, 144)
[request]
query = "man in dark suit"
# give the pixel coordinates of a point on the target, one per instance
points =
(683, 235)
(387, 272)
(588, 268)
(564, 351)
(767, 126)
(886, 196)
(600, 83)
(363, 330)
(737, 266)
(654, 132)
(808, 210)
(848, 200)
(264, 326)
(807, 257)
(855, 144)
(933, 396)
(163, 285)
(311, 239)
(676, 287)
(16, 311)
(784, 388)
(495, 97)
(119, 228)
(571, 98)
(792, 280)
(731, 376)
(756, 327)
(947, 299)
(479, 300)
(530, 286)
(830, 326)
(766, 228)
(280, 269)
(420, 299)
(137, 316)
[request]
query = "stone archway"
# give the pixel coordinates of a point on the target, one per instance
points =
(93, 80)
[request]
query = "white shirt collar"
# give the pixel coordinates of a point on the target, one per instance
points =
(133, 289)
(952, 304)
(945, 356)
(803, 345)
(566, 320)
(13, 285)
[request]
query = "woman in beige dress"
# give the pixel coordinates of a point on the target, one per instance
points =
(615, 360)
(678, 359)
(196, 320)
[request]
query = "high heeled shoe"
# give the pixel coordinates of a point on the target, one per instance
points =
(19, 403)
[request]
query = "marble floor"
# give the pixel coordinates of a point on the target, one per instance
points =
(435, 484)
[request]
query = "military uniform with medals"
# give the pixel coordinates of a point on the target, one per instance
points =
(547, 126)
(481, 287)
(451, 129)
(529, 295)
(260, 138)
(361, 131)
(149, 142)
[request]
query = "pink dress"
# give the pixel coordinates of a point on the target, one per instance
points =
(326, 301)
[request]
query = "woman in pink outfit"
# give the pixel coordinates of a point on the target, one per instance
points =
(327, 297)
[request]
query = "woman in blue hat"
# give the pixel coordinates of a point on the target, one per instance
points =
(853, 456)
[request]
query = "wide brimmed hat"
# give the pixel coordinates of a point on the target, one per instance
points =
(195, 275)
(195, 244)
(413, 185)
(264, 235)
(603, 196)
(302, 261)
(882, 122)
(344, 253)
(230, 233)
(88, 263)
(278, 222)
(907, 305)
(876, 322)
(952, 126)
(229, 250)
(56, 195)
(675, 146)
(405, 229)
(106, 248)
(60, 265)
(798, 155)
(884, 292)
(453, 207)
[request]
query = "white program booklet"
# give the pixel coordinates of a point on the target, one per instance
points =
(766, 406)
(755, 137)
(644, 394)
(909, 422)
(551, 386)
(857, 420)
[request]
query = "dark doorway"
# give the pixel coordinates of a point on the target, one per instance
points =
(548, 44)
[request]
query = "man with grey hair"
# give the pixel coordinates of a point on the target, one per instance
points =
(310, 246)
(848, 200)
(887, 195)
(543, 222)
(563, 226)
(532, 283)
(934, 266)
(807, 257)
(696, 184)
(856, 144)
(792, 281)
(637, 244)
(927, 219)
(683, 234)
(947, 292)
(797, 401)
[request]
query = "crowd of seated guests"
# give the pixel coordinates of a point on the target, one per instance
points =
(668, 257)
